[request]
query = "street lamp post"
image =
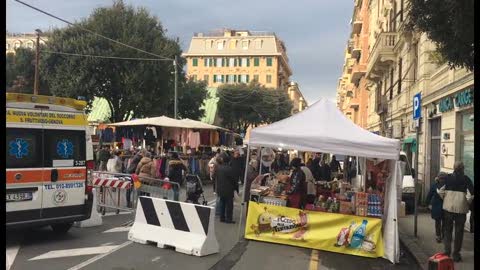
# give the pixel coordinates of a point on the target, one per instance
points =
(175, 62)
(37, 58)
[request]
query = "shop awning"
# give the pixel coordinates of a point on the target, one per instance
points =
(413, 144)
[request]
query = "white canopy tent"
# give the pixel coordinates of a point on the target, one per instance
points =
(322, 127)
(164, 121)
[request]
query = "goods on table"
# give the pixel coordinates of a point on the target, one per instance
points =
(361, 203)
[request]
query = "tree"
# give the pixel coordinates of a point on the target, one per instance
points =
(20, 71)
(448, 23)
(145, 88)
(242, 105)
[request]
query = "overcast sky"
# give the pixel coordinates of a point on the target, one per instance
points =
(315, 31)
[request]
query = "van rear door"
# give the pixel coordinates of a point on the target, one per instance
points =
(24, 162)
(65, 173)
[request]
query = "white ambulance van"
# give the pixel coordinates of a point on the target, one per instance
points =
(48, 156)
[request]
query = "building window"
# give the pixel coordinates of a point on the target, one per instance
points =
(231, 78)
(218, 78)
(194, 77)
(208, 62)
(220, 45)
(205, 78)
(391, 85)
(219, 62)
(195, 62)
(269, 78)
(245, 44)
(256, 78)
(256, 61)
(244, 78)
(258, 44)
(245, 62)
(233, 44)
(231, 62)
(269, 61)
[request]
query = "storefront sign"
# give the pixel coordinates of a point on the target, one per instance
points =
(355, 235)
(460, 99)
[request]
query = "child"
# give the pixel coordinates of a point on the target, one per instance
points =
(436, 201)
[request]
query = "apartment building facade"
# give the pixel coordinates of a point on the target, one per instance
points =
(400, 65)
(352, 93)
(27, 40)
(239, 56)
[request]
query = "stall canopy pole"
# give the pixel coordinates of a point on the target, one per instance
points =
(244, 190)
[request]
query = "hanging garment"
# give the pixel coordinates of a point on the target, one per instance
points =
(204, 137)
(127, 143)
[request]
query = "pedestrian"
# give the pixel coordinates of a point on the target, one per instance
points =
(310, 183)
(132, 167)
(335, 167)
(325, 173)
(315, 167)
(176, 169)
(146, 166)
(457, 194)
(103, 157)
(434, 199)
(296, 190)
(225, 185)
(238, 166)
(115, 164)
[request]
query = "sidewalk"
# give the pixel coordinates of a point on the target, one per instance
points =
(425, 244)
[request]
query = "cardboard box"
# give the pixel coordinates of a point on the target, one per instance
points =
(346, 207)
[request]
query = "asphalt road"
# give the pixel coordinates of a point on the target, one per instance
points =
(106, 247)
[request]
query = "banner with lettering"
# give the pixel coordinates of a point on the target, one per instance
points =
(47, 117)
(355, 235)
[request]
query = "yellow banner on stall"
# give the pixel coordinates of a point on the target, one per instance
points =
(361, 236)
(46, 117)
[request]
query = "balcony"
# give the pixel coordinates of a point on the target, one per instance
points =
(358, 71)
(382, 54)
(356, 50)
(350, 64)
(357, 25)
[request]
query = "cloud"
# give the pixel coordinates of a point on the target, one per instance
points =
(315, 31)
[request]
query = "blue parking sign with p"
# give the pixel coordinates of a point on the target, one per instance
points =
(417, 106)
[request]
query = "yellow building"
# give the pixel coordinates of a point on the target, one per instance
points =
(234, 56)
(294, 93)
(14, 41)
(401, 64)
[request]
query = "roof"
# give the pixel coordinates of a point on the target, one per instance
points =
(210, 106)
(164, 121)
(323, 128)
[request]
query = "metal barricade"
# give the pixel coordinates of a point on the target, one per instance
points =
(115, 191)
(118, 191)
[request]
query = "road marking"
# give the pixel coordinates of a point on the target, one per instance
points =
(118, 229)
(106, 244)
(98, 257)
(11, 254)
(73, 252)
(314, 259)
(156, 258)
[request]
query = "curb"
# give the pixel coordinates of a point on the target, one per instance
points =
(413, 248)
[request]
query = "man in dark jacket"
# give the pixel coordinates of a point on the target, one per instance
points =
(225, 186)
(315, 167)
(436, 201)
(238, 166)
(103, 157)
(457, 194)
(325, 172)
(297, 188)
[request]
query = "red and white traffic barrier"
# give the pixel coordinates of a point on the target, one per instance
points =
(112, 182)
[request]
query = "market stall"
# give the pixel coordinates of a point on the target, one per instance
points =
(193, 140)
(352, 217)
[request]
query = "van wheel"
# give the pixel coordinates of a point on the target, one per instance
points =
(61, 227)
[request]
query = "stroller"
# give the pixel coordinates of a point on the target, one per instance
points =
(194, 189)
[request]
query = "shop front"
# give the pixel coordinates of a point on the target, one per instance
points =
(450, 134)
(352, 216)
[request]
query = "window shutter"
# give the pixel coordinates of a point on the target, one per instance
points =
(205, 62)
(223, 78)
(248, 77)
(235, 78)
(248, 62)
(214, 78)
